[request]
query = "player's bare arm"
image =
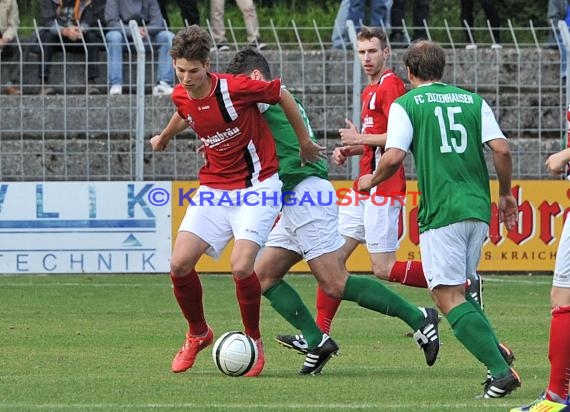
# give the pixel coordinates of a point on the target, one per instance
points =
(389, 163)
(350, 136)
(310, 151)
(508, 208)
(176, 125)
(340, 154)
(556, 163)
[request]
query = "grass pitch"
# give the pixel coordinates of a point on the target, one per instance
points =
(105, 343)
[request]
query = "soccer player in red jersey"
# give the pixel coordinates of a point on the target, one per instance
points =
(240, 157)
(373, 221)
(555, 397)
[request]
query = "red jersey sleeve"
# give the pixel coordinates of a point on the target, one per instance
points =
(253, 91)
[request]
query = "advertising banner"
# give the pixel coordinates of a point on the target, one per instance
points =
(530, 247)
(85, 227)
(130, 227)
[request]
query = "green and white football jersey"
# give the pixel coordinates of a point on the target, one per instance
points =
(445, 128)
(287, 146)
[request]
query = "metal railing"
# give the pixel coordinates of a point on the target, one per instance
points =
(77, 136)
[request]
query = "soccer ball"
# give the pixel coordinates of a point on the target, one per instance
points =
(234, 353)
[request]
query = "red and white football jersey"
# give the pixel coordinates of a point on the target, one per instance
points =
(239, 146)
(376, 100)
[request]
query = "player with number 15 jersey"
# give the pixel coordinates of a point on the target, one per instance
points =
(462, 123)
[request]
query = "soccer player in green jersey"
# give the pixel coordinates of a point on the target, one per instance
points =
(308, 229)
(445, 128)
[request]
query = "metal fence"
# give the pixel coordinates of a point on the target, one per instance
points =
(74, 135)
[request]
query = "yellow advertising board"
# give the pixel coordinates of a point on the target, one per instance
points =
(529, 247)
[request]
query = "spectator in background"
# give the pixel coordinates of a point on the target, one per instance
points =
(188, 10)
(147, 14)
(492, 16)
(9, 51)
(249, 17)
(379, 13)
(76, 21)
(421, 12)
(339, 36)
(557, 10)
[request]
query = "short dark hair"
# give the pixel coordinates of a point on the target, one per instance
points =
(368, 33)
(191, 43)
(247, 60)
(426, 60)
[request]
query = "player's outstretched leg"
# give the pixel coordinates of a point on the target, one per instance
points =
(507, 355)
(317, 357)
(501, 387)
(371, 294)
(295, 342)
(476, 334)
(318, 347)
(427, 336)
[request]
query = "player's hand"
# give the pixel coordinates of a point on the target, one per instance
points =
(311, 152)
(508, 211)
(556, 164)
(365, 182)
(158, 143)
(340, 154)
(350, 135)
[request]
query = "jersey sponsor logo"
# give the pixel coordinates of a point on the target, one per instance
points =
(221, 137)
(367, 122)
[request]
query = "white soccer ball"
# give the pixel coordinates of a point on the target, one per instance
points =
(234, 353)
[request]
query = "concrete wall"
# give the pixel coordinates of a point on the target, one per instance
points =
(74, 136)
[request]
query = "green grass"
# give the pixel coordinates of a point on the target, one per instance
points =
(104, 343)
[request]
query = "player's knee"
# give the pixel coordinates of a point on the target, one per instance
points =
(180, 268)
(242, 270)
(332, 289)
(381, 271)
(448, 297)
(560, 297)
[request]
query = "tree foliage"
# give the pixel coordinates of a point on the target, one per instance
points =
(519, 12)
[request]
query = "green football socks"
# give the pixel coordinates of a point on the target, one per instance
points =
(287, 302)
(371, 294)
(475, 333)
(482, 313)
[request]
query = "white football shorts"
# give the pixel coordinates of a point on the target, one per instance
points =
(561, 277)
(451, 254)
(218, 215)
(309, 228)
(374, 223)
